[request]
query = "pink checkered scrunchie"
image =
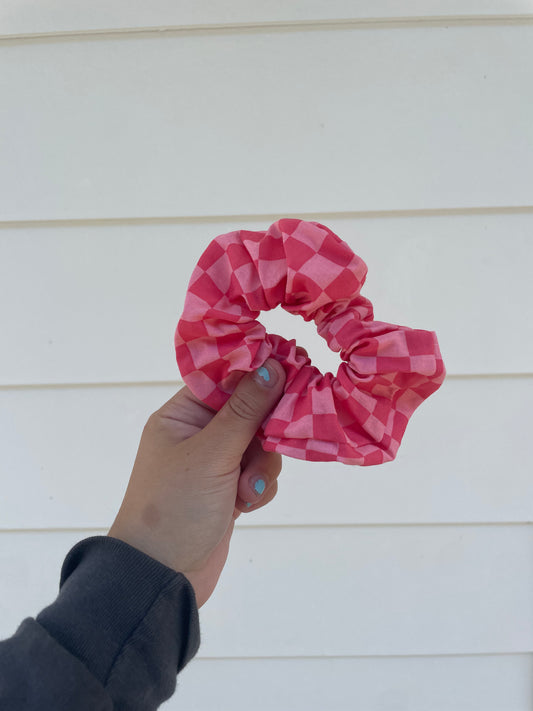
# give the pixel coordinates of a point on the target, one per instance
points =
(358, 416)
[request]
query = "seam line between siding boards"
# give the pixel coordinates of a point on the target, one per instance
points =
(283, 26)
(431, 212)
(372, 656)
(178, 382)
(386, 524)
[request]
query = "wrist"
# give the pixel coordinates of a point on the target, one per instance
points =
(142, 543)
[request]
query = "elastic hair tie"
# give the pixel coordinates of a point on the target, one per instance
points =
(387, 371)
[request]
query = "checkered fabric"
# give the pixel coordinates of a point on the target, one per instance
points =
(357, 417)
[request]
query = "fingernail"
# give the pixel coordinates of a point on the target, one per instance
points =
(248, 505)
(259, 486)
(266, 376)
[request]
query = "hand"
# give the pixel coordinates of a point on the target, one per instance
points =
(193, 475)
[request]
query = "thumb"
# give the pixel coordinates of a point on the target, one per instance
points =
(235, 424)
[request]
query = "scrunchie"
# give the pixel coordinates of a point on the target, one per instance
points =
(357, 417)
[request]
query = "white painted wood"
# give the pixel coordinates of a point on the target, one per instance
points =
(326, 602)
(28, 17)
(66, 456)
(267, 121)
(375, 590)
(345, 591)
(100, 303)
(491, 683)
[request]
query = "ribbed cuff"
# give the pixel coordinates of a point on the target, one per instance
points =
(107, 589)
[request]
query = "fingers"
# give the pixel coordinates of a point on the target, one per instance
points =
(186, 408)
(234, 426)
(260, 470)
(258, 480)
(264, 499)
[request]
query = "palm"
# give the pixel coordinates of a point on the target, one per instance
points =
(189, 415)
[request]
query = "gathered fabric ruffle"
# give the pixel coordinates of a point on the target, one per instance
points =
(358, 416)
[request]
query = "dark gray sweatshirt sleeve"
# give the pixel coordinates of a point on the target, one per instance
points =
(121, 628)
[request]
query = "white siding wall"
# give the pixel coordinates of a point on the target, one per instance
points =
(408, 129)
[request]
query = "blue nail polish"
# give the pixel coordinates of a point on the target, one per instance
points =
(263, 373)
(248, 505)
(259, 486)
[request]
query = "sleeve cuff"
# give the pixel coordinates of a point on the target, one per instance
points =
(130, 619)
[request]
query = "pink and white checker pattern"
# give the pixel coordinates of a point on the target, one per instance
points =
(357, 417)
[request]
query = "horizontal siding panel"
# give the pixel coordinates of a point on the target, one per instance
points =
(433, 590)
(99, 303)
(406, 590)
(491, 683)
(267, 122)
(67, 455)
(63, 16)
